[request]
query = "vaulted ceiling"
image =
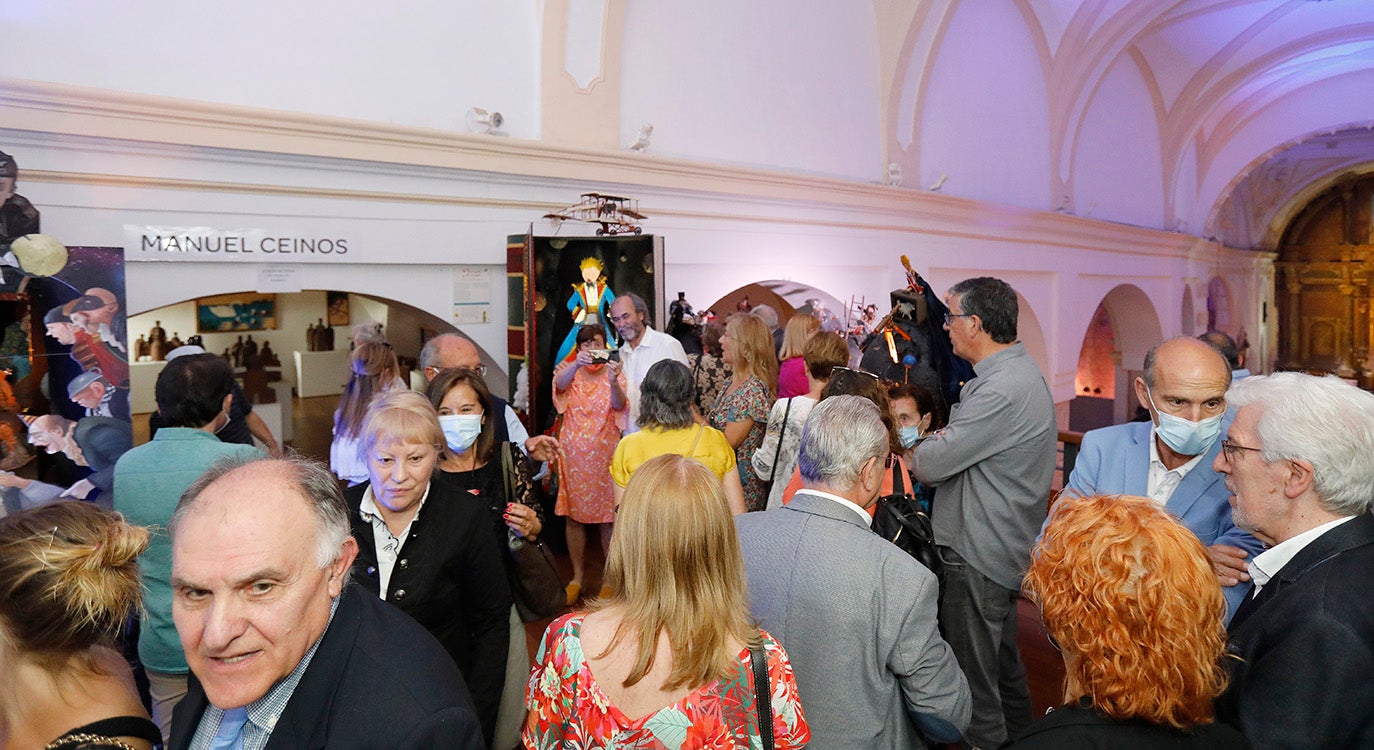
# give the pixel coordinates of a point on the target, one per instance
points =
(1250, 107)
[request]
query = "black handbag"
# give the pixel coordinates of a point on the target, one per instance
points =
(900, 520)
(535, 584)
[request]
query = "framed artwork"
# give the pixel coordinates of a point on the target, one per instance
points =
(247, 311)
(337, 308)
(560, 283)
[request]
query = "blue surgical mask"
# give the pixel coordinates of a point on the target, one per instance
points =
(1186, 437)
(460, 430)
(909, 435)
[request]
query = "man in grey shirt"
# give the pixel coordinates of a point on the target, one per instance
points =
(993, 466)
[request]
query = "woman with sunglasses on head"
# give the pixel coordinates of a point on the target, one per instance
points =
(741, 409)
(846, 381)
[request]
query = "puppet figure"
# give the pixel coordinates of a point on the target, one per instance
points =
(589, 304)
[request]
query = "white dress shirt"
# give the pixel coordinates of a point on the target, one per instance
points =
(388, 545)
(1268, 563)
(636, 361)
(862, 514)
(1163, 481)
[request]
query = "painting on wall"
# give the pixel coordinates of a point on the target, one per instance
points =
(337, 308)
(247, 311)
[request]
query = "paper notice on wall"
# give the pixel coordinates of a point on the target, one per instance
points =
(471, 296)
(279, 279)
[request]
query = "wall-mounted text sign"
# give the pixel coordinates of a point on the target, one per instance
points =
(145, 243)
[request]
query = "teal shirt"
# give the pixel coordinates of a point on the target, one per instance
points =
(148, 482)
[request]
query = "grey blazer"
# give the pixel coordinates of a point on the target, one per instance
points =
(856, 616)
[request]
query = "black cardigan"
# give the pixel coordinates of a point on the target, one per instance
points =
(449, 577)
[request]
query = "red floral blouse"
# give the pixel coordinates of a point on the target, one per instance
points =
(568, 709)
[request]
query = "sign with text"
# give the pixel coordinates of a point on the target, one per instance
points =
(144, 243)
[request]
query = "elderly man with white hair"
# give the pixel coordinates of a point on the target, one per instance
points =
(1297, 460)
(855, 613)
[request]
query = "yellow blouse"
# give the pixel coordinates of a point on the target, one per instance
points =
(711, 448)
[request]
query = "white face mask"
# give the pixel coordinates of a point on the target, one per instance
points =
(1184, 436)
(460, 430)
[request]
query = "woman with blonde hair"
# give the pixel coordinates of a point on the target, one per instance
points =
(792, 372)
(451, 578)
(373, 370)
(68, 582)
(741, 409)
(1129, 596)
(666, 660)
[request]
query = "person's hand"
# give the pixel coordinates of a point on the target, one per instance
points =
(613, 367)
(1229, 564)
(9, 479)
(542, 448)
(522, 520)
(79, 490)
(584, 358)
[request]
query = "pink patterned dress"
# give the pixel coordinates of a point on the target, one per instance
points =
(591, 429)
(569, 710)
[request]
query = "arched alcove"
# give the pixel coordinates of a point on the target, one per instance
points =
(1032, 334)
(1121, 330)
(787, 297)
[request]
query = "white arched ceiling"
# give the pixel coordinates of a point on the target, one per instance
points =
(1151, 111)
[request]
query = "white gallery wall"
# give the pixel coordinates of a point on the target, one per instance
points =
(773, 126)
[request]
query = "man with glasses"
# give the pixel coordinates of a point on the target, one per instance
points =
(992, 466)
(641, 346)
(1169, 459)
(450, 351)
(1297, 463)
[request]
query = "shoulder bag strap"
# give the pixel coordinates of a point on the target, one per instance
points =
(506, 469)
(898, 481)
(762, 692)
(700, 429)
(787, 411)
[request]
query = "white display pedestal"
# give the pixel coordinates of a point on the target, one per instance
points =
(321, 373)
(142, 386)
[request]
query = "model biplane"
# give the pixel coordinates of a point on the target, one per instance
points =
(614, 214)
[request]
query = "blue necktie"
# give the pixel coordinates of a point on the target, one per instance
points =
(230, 734)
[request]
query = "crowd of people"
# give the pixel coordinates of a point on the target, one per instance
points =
(1202, 573)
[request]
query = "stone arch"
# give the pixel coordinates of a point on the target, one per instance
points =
(1032, 334)
(1122, 329)
(786, 297)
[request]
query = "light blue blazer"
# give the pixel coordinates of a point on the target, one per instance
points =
(1116, 461)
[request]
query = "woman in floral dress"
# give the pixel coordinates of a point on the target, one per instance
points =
(590, 393)
(741, 408)
(616, 676)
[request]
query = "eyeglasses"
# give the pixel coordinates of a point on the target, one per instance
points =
(1232, 450)
(951, 316)
(481, 370)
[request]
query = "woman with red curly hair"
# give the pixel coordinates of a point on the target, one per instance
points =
(1129, 596)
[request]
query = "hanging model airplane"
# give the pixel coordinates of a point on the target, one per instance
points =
(615, 214)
